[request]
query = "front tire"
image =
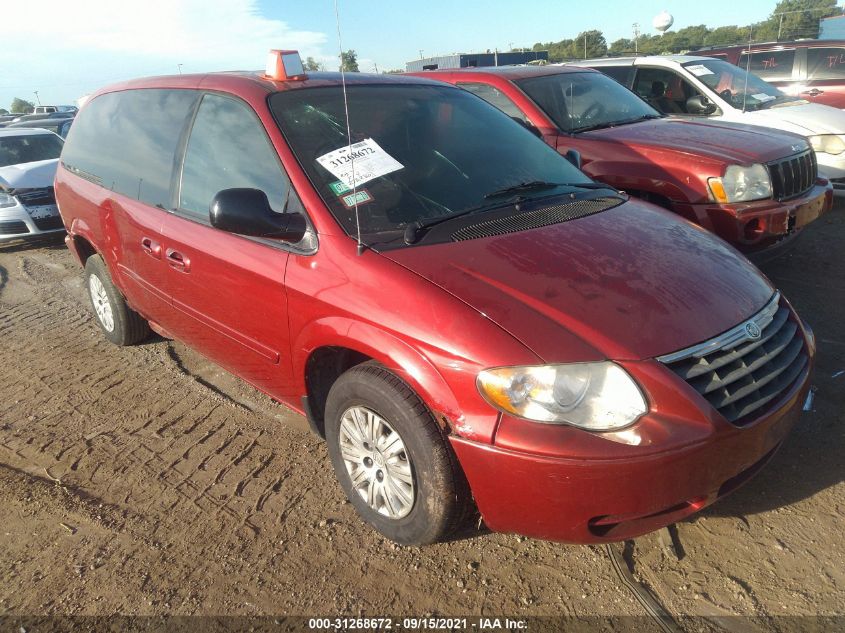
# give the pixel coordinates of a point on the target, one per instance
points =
(391, 459)
(120, 324)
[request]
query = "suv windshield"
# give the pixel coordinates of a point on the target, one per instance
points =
(15, 150)
(578, 102)
(744, 91)
(437, 151)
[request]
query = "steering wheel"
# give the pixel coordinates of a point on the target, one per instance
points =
(594, 110)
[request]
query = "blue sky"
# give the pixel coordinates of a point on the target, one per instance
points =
(89, 43)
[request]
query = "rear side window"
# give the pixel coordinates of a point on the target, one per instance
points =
(495, 97)
(126, 141)
(826, 63)
(229, 148)
(770, 65)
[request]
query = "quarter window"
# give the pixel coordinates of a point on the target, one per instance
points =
(229, 148)
(770, 65)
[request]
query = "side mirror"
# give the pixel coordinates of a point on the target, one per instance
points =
(699, 104)
(574, 157)
(528, 126)
(248, 212)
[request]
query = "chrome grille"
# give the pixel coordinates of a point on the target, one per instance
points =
(536, 219)
(738, 373)
(794, 175)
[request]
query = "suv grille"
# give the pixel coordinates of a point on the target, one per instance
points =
(37, 197)
(536, 219)
(794, 175)
(737, 373)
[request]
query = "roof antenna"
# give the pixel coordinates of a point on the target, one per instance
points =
(348, 131)
(747, 68)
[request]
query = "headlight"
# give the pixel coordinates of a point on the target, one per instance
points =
(741, 183)
(828, 144)
(7, 201)
(593, 396)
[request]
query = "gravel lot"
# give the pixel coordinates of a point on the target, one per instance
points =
(146, 481)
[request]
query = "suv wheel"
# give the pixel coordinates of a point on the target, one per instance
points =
(120, 323)
(391, 458)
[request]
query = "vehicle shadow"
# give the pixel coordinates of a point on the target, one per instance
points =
(52, 243)
(4, 278)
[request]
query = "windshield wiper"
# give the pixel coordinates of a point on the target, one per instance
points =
(608, 124)
(523, 186)
(414, 231)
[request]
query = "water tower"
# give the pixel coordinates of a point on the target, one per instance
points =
(663, 21)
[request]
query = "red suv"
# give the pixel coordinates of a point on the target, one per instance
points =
(811, 69)
(717, 175)
(463, 315)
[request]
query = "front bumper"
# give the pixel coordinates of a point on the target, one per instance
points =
(601, 489)
(758, 226)
(17, 223)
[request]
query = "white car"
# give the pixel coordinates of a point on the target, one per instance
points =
(692, 86)
(28, 160)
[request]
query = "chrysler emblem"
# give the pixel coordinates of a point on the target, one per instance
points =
(752, 329)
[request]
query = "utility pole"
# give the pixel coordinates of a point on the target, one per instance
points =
(180, 68)
(376, 67)
(636, 26)
(36, 98)
(421, 51)
(780, 26)
(585, 46)
(510, 46)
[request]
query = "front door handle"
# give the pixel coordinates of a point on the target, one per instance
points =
(815, 92)
(151, 247)
(178, 261)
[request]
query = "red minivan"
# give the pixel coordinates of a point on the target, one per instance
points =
(466, 318)
(718, 175)
(811, 69)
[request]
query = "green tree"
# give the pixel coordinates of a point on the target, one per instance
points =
(21, 105)
(589, 44)
(312, 64)
(621, 46)
(3, 111)
(793, 19)
(349, 61)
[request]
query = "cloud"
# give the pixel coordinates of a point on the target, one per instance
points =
(89, 43)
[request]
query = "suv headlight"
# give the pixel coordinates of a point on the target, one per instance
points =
(7, 201)
(740, 184)
(828, 144)
(593, 396)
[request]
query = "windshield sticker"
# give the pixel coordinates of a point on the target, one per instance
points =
(762, 96)
(699, 70)
(338, 188)
(369, 160)
(362, 196)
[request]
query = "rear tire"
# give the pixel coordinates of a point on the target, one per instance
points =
(120, 324)
(391, 458)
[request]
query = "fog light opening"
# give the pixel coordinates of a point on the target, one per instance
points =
(754, 229)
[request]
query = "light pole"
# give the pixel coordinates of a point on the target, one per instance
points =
(36, 98)
(636, 26)
(180, 68)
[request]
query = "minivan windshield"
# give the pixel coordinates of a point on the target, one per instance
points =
(434, 152)
(578, 102)
(15, 150)
(744, 91)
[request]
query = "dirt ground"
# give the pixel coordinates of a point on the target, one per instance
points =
(146, 481)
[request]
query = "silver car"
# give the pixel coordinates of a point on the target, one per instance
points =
(28, 159)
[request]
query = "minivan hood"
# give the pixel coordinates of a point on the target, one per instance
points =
(725, 142)
(33, 175)
(631, 283)
(804, 118)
